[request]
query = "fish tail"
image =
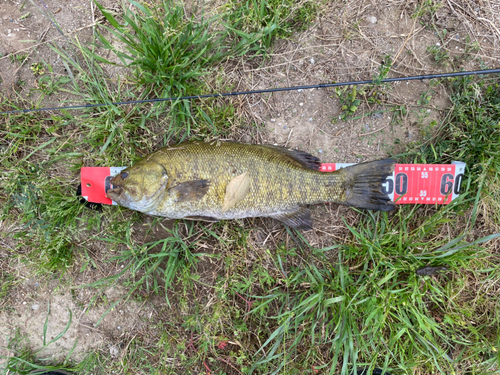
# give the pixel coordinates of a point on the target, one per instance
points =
(363, 185)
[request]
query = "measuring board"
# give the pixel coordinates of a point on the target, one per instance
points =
(409, 183)
(419, 183)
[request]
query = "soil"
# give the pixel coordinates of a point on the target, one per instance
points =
(347, 42)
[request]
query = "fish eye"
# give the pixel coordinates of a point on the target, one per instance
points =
(124, 175)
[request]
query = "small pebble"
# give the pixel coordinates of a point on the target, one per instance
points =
(285, 127)
(312, 60)
(35, 306)
(273, 120)
(371, 19)
(310, 119)
(320, 151)
(114, 350)
(438, 44)
(299, 90)
(301, 104)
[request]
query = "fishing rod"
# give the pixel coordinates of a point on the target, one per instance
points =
(221, 95)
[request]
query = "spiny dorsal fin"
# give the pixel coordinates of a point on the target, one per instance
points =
(301, 158)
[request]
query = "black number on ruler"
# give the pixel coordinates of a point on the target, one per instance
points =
(458, 183)
(446, 183)
(401, 183)
(388, 186)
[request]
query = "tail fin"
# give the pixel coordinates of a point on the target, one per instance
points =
(363, 185)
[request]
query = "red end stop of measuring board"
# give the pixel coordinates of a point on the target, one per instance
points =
(409, 183)
(96, 181)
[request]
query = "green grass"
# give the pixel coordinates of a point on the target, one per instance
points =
(368, 307)
(153, 266)
(171, 54)
(273, 18)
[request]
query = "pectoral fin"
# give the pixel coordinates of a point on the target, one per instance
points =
(236, 190)
(190, 190)
(299, 219)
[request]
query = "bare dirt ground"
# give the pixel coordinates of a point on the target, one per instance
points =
(348, 41)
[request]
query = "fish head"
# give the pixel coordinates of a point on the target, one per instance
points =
(139, 187)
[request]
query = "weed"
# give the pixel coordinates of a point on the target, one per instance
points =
(470, 48)
(428, 8)
(38, 68)
(439, 54)
(351, 98)
(7, 281)
(349, 101)
(274, 18)
(18, 57)
(49, 85)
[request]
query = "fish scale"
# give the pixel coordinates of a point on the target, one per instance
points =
(276, 184)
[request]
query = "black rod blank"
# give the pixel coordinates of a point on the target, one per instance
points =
(318, 86)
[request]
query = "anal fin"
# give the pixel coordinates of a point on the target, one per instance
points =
(299, 219)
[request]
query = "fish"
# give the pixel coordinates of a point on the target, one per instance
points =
(215, 181)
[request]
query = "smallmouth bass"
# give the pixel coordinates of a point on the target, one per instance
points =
(190, 181)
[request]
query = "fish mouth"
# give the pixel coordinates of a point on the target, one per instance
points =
(114, 193)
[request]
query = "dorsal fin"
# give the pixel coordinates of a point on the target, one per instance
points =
(301, 158)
